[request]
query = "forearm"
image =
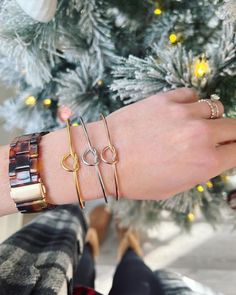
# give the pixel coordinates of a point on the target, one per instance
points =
(156, 152)
(59, 183)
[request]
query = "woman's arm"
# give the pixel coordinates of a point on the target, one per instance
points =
(165, 144)
(59, 183)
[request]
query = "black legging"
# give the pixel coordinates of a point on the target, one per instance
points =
(132, 276)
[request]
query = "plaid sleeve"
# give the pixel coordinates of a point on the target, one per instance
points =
(173, 283)
(35, 259)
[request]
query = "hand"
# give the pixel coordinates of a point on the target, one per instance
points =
(168, 144)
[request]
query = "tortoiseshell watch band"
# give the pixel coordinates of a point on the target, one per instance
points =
(27, 188)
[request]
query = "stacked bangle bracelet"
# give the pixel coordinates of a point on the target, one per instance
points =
(27, 188)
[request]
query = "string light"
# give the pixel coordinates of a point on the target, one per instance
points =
(75, 124)
(47, 102)
(173, 38)
(100, 83)
(224, 178)
(200, 189)
(209, 184)
(191, 217)
(30, 101)
(157, 11)
(201, 67)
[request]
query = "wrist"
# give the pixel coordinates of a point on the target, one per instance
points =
(59, 183)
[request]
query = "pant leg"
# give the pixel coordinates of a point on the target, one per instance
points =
(85, 273)
(133, 277)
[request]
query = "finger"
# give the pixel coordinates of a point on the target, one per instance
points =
(227, 156)
(224, 130)
(182, 95)
(202, 109)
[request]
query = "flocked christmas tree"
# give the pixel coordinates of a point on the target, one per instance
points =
(90, 56)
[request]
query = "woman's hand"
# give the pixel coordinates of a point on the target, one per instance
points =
(167, 144)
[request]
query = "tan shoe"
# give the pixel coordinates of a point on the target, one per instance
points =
(92, 239)
(130, 240)
(100, 219)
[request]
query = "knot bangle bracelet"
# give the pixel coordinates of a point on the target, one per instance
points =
(75, 168)
(91, 150)
(110, 147)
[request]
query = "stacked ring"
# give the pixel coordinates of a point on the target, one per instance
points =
(215, 112)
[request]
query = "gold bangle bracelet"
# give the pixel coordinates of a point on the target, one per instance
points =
(110, 147)
(75, 168)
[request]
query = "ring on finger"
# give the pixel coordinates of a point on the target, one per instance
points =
(215, 112)
(214, 98)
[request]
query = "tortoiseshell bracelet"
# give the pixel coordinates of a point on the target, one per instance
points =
(27, 188)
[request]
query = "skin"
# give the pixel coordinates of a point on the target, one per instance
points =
(166, 144)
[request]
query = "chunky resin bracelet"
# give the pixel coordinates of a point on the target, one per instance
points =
(27, 188)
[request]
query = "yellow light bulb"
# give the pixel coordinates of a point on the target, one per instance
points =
(200, 188)
(209, 184)
(47, 102)
(224, 178)
(157, 11)
(173, 38)
(75, 124)
(30, 100)
(201, 67)
(100, 82)
(191, 217)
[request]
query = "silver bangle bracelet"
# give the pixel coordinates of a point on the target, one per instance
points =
(92, 150)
